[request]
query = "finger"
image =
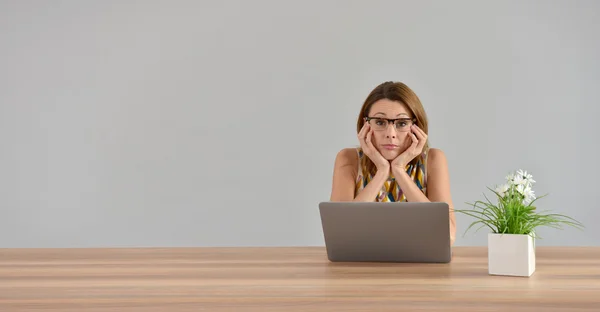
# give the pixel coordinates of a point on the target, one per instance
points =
(418, 131)
(364, 143)
(361, 139)
(415, 141)
(370, 141)
(362, 134)
(422, 142)
(421, 136)
(370, 145)
(369, 136)
(364, 130)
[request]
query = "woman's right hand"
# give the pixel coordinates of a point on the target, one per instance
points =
(365, 136)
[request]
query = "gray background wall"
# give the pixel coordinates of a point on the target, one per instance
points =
(216, 123)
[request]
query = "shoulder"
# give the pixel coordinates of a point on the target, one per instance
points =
(347, 157)
(435, 156)
(436, 160)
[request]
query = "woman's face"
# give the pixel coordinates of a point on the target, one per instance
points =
(390, 139)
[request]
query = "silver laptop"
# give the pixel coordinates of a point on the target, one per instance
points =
(386, 231)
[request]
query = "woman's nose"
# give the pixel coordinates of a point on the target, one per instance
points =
(390, 131)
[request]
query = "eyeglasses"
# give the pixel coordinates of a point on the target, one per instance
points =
(400, 124)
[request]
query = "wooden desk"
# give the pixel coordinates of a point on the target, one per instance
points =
(287, 279)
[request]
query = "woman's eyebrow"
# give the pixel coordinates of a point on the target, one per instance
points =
(381, 113)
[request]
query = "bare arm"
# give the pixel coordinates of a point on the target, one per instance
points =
(438, 185)
(412, 192)
(344, 179)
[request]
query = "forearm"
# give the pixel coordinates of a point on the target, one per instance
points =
(452, 228)
(412, 192)
(369, 193)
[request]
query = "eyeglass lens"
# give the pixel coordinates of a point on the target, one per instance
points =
(379, 124)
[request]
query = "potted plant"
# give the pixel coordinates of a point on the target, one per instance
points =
(513, 221)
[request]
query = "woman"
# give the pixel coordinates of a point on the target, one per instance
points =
(394, 162)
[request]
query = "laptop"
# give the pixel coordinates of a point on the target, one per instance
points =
(410, 232)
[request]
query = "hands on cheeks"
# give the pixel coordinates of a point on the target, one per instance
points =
(417, 143)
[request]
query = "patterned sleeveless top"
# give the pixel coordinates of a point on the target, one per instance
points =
(391, 192)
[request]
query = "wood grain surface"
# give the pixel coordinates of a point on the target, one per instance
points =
(287, 279)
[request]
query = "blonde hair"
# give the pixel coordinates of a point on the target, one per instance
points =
(399, 92)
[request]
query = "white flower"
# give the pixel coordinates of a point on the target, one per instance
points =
(521, 189)
(519, 180)
(527, 178)
(527, 192)
(502, 189)
(509, 178)
(529, 195)
(524, 174)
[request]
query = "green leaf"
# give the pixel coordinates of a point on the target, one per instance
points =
(511, 216)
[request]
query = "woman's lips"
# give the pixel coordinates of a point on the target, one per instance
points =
(390, 146)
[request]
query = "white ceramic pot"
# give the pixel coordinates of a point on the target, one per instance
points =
(511, 254)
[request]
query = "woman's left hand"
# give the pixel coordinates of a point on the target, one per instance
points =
(418, 138)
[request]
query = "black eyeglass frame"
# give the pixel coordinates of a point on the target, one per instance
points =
(393, 121)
